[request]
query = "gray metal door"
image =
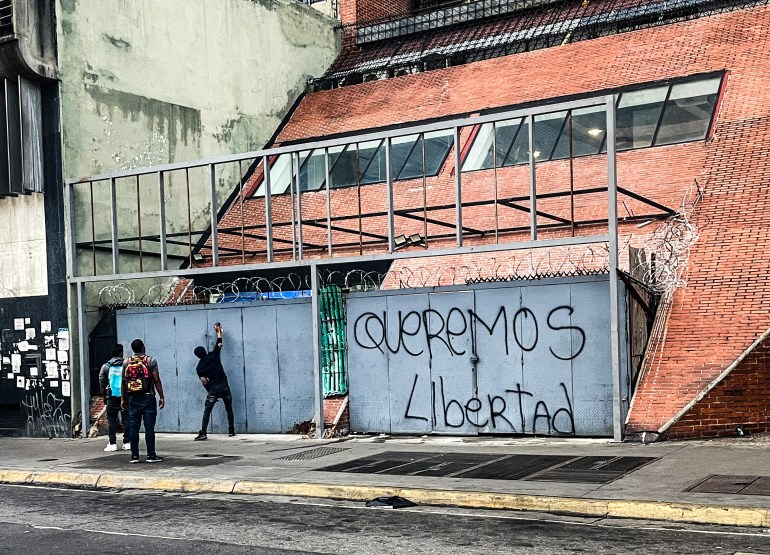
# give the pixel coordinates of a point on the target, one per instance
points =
(266, 355)
(531, 358)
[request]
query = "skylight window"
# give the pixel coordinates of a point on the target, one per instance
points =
(411, 157)
(649, 117)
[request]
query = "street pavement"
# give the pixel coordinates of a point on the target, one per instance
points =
(290, 465)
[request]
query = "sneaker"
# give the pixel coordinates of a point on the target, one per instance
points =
(111, 447)
(126, 447)
(153, 459)
(201, 436)
(134, 460)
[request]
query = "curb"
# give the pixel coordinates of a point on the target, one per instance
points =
(726, 515)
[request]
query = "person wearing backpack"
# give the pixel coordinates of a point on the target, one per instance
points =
(141, 379)
(212, 376)
(110, 381)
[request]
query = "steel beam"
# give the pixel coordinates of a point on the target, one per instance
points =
(315, 292)
(618, 417)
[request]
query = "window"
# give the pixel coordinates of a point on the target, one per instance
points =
(637, 117)
(688, 111)
(411, 157)
(655, 116)
(21, 137)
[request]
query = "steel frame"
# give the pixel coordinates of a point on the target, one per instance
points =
(298, 246)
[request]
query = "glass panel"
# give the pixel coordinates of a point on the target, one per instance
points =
(479, 157)
(413, 165)
(437, 145)
(400, 149)
(280, 174)
(637, 117)
(548, 127)
(345, 169)
(688, 112)
(372, 156)
(519, 153)
(312, 173)
(589, 125)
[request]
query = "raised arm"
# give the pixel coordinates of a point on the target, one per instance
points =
(218, 330)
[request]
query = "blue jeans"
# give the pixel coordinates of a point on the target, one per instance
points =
(142, 408)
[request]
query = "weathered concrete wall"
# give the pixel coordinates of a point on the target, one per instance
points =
(23, 267)
(154, 81)
(149, 82)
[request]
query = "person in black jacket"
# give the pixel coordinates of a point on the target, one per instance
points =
(212, 376)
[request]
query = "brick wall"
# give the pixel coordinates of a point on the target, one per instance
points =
(363, 11)
(726, 304)
(332, 407)
(742, 398)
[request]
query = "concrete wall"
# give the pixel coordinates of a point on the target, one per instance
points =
(23, 267)
(149, 82)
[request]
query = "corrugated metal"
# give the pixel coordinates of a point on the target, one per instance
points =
(334, 346)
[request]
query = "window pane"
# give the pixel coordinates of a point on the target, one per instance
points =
(280, 173)
(519, 153)
(479, 157)
(372, 155)
(548, 127)
(688, 112)
(637, 117)
(312, 172)
(400, 149)
(588, 130)
(437, 145)
(343, 174)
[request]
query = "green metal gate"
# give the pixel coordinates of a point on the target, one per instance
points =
(334, 344)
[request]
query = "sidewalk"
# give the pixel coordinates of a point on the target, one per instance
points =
(281, 465)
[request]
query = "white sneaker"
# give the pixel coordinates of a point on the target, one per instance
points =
(111, 447)
(126, 447)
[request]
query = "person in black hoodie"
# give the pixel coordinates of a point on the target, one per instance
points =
(110, 379)
(212, 376)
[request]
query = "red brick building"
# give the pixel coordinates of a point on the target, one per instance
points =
(693, 137)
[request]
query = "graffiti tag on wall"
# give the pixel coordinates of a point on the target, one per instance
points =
(497, 367)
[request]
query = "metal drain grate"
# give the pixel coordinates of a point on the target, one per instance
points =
(312, 454)
(554, 468)
(743, 485)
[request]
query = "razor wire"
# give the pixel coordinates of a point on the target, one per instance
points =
(186, 292)
(661, 267)
(667, 248)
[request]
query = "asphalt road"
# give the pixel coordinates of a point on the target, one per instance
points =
(36, 520)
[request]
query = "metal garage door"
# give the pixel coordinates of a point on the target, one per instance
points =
(266, 354)
(497, 358)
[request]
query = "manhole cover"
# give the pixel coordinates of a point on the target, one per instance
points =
(743, 485)
(312, 454)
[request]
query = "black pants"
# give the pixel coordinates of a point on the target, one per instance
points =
(211, 400)
(113, 409)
